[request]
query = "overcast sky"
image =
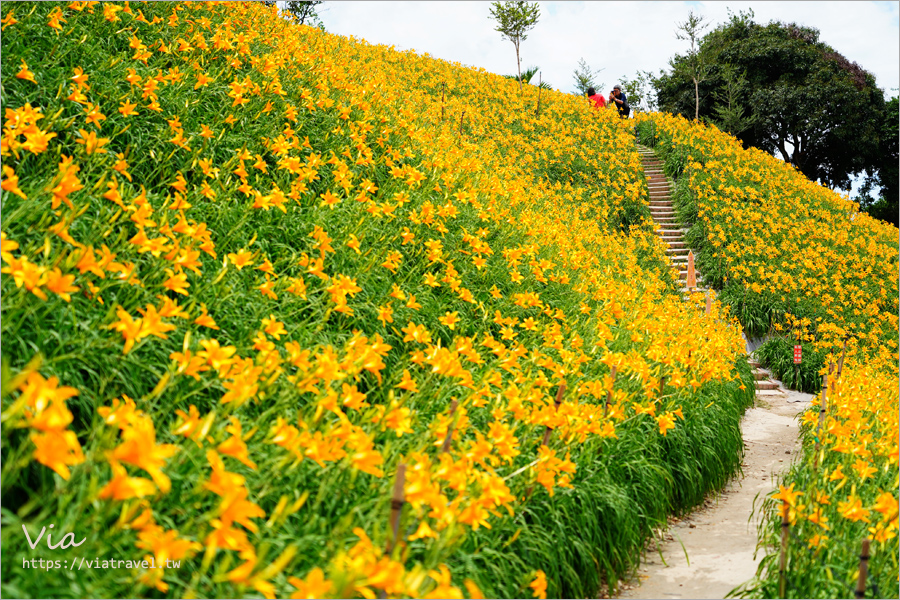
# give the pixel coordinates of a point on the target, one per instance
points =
(618, 37)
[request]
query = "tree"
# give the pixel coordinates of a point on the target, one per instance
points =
(639, 91)
(695, 65)
(514, 19)
(305, 13)
(885, 173)
(730, 112)
(799, 98)
(584, 78)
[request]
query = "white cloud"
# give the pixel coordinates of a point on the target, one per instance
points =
(619, 37)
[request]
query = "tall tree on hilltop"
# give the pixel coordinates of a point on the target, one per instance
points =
(695, 65)
(803, 100)
(514, 19)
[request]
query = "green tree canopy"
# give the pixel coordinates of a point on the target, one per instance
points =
(783, 90)
(886, 172)
(306, 12)
(515, 19)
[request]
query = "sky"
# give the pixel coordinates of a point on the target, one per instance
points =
(620, 38)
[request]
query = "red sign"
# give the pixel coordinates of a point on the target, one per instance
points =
(798, 354)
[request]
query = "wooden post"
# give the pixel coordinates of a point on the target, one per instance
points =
(708, 302)
(538, 113)
(461, 122)
(557, 402)
(443, 85)
(662, 385)
(782, 565)
(691, 271)
(863, 570)
(822, 409)
(396, 506)
(609, 393)
(446, 445)
(840, 365)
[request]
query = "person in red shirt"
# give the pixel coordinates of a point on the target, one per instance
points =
(596, 99)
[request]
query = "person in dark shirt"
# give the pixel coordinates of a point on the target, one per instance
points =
(596, 99)
(621, 101)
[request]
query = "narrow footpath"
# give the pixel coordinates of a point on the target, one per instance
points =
(710, 551)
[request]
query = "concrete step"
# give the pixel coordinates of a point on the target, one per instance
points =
(678, 246)
(766, 385)
(677, 251)
(755, 363)
(758, 375)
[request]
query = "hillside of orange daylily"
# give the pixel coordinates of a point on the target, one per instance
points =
(250, 269)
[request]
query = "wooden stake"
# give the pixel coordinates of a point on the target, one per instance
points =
(443, 85)
(782, 565)
(446, 445)
(708, 302)
(609, 393)
(396, 505)
(557, 402)
(662, 385)
(461, 122)
(840, 365)
(863, 570)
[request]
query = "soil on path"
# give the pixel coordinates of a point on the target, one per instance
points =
(720, 536)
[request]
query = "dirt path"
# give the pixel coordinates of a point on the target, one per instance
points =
(720, 537)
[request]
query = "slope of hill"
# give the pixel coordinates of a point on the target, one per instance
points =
(260, 283)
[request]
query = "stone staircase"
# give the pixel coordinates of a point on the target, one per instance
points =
(765, 386)
(663, 212)
(670, 231)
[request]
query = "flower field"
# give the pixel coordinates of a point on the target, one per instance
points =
(289, 314)
(798, 261)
